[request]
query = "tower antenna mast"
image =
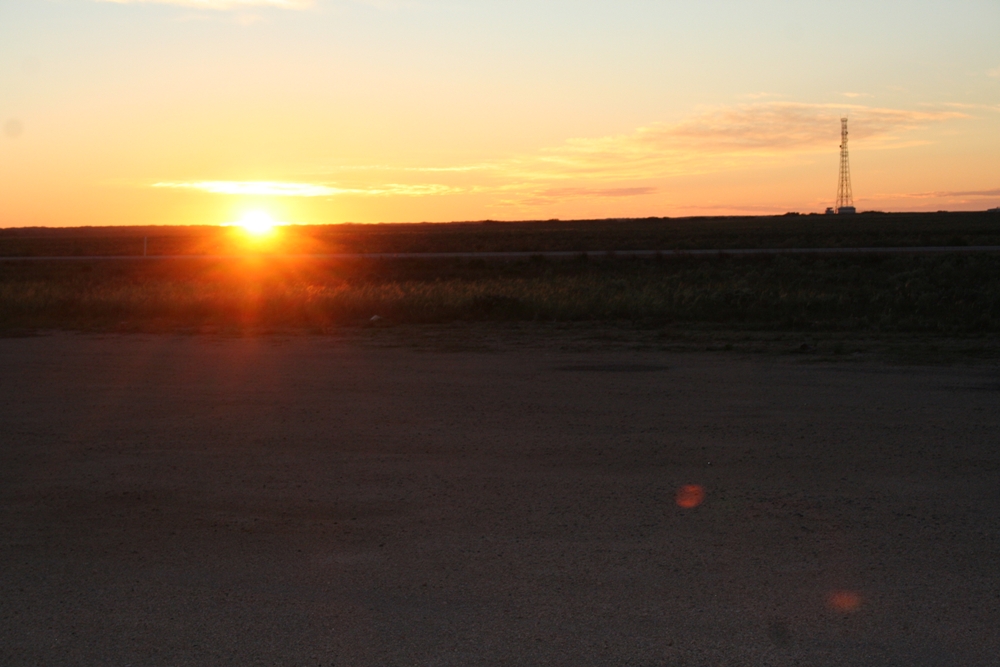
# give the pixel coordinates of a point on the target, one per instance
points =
(845, 199)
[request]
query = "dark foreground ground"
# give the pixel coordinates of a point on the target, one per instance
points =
(185, 500)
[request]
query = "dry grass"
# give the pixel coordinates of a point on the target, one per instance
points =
(947, 295)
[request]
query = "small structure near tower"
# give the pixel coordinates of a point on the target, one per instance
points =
(845, 199)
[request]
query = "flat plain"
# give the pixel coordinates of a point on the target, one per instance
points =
(227, 281)
(490, 500)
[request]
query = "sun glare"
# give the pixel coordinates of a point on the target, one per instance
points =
(257, 223)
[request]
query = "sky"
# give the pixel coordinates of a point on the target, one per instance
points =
(116, 112)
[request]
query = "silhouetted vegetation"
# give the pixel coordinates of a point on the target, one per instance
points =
(945, 294)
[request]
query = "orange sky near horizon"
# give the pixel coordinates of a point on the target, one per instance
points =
(123, 112)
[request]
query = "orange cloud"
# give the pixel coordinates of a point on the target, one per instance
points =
(716, 140)
(961, 196)
(598, 192)
(285, 189)
(769, 128)
(721, 139)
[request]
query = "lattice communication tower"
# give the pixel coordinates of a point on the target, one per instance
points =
(845, 199)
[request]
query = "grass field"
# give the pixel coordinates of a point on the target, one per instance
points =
(954, 294)
(942, 295)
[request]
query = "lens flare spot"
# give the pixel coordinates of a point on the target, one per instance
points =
(690, 496)
(844, 601)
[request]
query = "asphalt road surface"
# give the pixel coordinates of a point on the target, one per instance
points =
(185, 500)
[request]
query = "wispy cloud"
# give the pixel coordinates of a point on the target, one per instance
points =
(426, 170)
(599, 192)
(632, 165)
(222, 4)
(712, 140)
(720, 139)
(963, 105)
(530, 194)
(261, 188)
(778, 127)
(760, 95)
(284, 189)
(945, 194)
(937, 200)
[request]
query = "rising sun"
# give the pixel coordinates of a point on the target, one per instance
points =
(257, 223)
